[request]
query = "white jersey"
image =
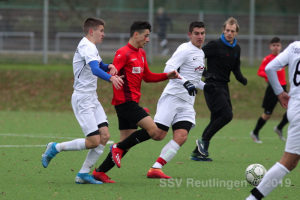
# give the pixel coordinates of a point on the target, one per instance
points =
(84, 80)
(188, 60)
(291, 57)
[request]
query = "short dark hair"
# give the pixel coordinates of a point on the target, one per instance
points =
(91, 23)
(139, 26)
(275, 40)
(197, 24)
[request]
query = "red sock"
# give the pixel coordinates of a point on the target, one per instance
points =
(161, 161)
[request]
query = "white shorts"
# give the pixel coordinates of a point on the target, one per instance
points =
(293, 135)
(171, 109)
(88, 111)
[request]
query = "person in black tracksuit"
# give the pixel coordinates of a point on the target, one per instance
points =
(223, 57)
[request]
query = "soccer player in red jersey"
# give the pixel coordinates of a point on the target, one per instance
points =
(270, 99)
(131, 62)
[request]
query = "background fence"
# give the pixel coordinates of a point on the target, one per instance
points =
(22, 23)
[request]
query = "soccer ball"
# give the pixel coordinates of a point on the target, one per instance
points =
(254, 173)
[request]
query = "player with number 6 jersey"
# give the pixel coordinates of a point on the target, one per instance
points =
(291, 57)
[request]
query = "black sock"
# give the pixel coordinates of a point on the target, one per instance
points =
(108, 163)
(135, 138)
(257, 194)
(283, 122)
(260, 123)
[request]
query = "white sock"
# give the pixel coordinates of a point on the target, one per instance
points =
(251, 197)
(91, 158)
(272, 178)
(73, 145)
(167, 153)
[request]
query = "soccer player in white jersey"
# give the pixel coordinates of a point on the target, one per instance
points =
(87, 67)
(176, 106)
(291, 57)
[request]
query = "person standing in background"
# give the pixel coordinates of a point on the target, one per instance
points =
(163, 22)
(270, 99)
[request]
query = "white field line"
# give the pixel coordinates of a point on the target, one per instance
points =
(244, 137)
(3, 146)
(35, 136)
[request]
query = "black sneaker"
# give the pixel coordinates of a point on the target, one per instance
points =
(202, 147)
(199, 157)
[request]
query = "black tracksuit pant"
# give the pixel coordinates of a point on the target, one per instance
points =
(220, 107)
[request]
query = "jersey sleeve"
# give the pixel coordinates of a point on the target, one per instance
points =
(174, 63)
(103, 66)
(237, 67)
(119, 60)
(261, 70)
(149, 76)
(200, 85)
(283, 57)
(276, 64)
(170, 68)
(238, 73)
(271, 70)
(177, 59)
(98, 71)
(90, 54)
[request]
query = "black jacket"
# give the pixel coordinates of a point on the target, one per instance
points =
(221, 60)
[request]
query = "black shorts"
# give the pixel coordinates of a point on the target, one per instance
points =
(129, 114)
(270, 99)
(186, 125)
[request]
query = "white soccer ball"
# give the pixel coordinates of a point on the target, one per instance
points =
(254, 173)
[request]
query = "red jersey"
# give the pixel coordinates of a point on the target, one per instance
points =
(132, 63)
(280, 73)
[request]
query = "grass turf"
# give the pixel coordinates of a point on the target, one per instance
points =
(35, 104)
(232, 150)
(39, 88)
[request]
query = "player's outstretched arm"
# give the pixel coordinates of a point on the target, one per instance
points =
(117, 81)
(173, 74)
(181, 80)
(97, 71)
(284, 99)
(112, 70)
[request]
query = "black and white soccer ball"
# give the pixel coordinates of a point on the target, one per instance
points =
(254, 173)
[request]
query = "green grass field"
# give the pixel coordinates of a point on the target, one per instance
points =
(23, 136)
(35, 109)
(36, 87)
